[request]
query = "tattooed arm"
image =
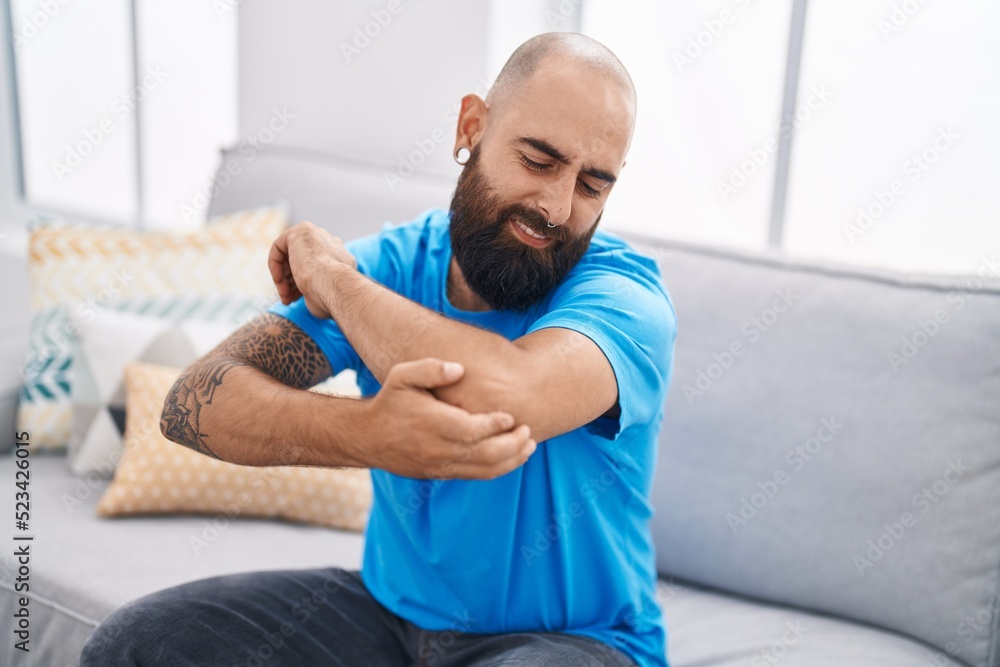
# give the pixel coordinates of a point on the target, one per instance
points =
(237, 400)
(246, 402)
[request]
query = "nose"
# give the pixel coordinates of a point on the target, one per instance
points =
(556, 200)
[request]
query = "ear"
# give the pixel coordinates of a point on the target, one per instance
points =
(471, 122)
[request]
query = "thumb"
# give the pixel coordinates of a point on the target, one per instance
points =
(426, 373)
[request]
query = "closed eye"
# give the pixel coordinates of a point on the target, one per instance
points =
(589, 191)
(532, 165)
(538, 166)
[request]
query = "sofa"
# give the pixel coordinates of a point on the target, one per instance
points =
(827, 490)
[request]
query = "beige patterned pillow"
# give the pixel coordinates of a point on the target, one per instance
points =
(84, 270)
(156, 476)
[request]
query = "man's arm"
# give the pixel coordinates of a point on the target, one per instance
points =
(242, 402)
(554, 380)
(246, 402)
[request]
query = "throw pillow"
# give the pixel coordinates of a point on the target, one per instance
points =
(104, 346)
(156, 476)
(83, 270)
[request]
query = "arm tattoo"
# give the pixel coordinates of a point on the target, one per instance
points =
(279, 348)
(182, 409)
(271, 344)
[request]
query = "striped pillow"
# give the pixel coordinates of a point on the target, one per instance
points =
(219, 271)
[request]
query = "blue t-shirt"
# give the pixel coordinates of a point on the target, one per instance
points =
(561, 544)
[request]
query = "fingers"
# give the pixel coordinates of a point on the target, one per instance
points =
(462, 445)
(425, 373)
(281, 271)
(491, 457)
(458, 425)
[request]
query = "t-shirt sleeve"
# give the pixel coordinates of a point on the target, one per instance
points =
(372, 262)
(623, 307)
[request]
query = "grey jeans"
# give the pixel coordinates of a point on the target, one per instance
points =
(315, 618)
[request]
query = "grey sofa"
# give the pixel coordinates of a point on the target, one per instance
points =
(828, 485)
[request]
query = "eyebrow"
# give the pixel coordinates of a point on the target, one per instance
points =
(543, 146)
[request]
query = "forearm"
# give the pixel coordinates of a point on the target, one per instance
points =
(227, 409)
(386, 328)
(246, 401)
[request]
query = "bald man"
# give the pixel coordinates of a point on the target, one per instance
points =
(514, 361)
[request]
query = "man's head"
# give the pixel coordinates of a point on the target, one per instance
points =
(547, 145)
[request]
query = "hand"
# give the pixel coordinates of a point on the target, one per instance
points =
(415, 435)
(300, 262)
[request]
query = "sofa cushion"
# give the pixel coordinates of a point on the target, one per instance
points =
(84, 567)
(832, 441)
(706, 627)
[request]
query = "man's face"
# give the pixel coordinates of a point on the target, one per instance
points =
(508, 269)
(552, 153)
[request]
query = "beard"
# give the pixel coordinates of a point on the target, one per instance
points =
(502, 270)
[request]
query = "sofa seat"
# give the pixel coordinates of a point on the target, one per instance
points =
(84, 566)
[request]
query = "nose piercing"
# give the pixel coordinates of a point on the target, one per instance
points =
(549, 223)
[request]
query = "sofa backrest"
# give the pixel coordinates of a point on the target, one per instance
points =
(347, 197)
(832, 441)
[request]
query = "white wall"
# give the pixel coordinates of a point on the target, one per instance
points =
(13, 242)
(900, 169)
(709, 79)
(12, 214)
(388, 96)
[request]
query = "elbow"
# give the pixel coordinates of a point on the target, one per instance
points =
(165, 425)
(503, 387)
(169, 413)
(180, 411)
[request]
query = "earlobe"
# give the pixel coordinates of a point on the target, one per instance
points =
(471, 122)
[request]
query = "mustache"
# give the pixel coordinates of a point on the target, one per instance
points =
(533, 220)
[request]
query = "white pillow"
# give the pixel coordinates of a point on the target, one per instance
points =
(104, 346)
